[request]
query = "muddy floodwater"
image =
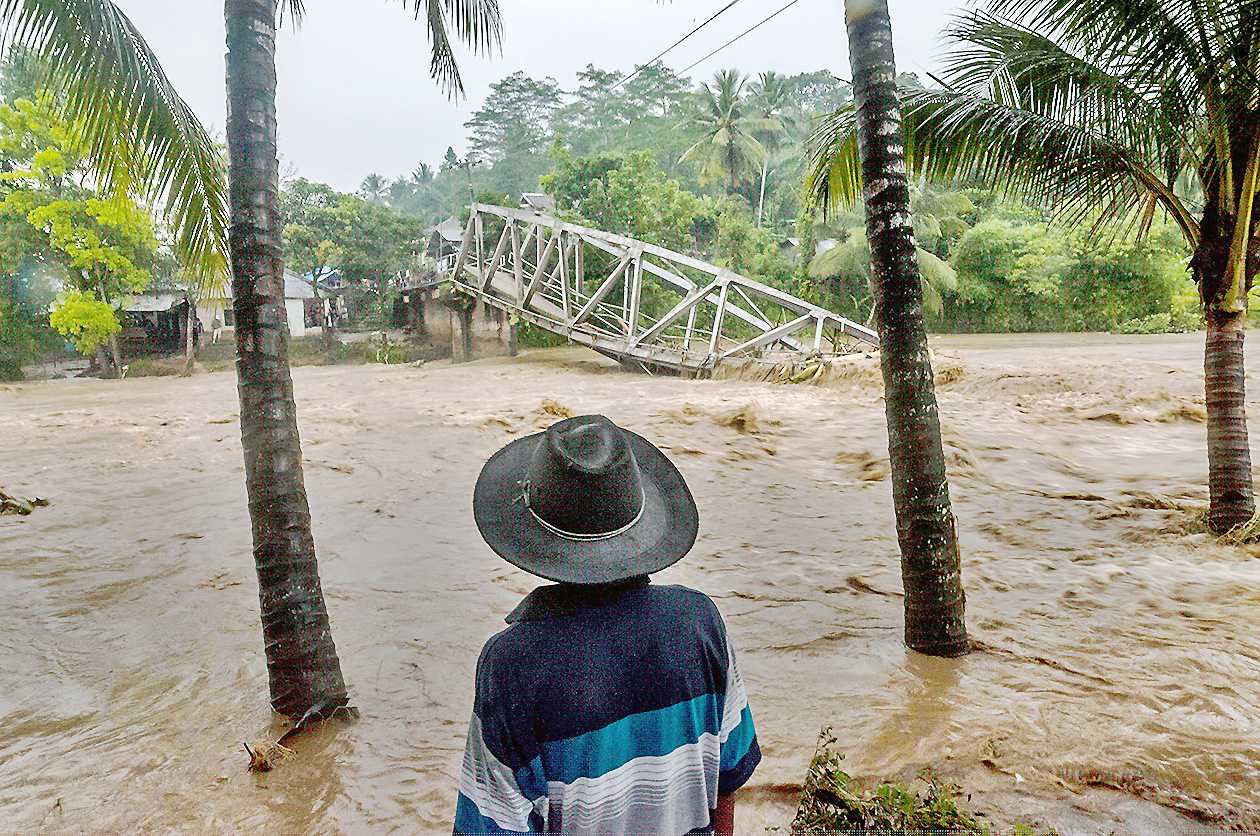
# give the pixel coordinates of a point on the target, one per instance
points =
(1116, 685)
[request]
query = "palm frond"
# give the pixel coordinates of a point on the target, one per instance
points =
(476, 23)
(138, 130)
(952, 136)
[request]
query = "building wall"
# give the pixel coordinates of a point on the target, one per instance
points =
(297, 317)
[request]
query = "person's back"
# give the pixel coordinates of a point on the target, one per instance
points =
(609, 705)
(620, 708)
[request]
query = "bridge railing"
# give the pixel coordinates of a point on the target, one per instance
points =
(636, 301)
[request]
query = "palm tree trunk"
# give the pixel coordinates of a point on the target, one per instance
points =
(761, 201)
(302, 663)
(1229, 451)
(930, 564)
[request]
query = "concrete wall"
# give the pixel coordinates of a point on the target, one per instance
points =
(297, 317)
(483, 331)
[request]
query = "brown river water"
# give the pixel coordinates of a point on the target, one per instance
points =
(1116, 687)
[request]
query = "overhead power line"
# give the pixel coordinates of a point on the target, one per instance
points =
(670, 48)
(743, 34)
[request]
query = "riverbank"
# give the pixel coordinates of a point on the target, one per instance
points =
(1119, 665)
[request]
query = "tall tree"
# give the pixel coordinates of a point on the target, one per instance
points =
(930, 566)
(515, 118)
(770, 101)
(302, 663)
(728, 150)
(374, 189)
(1112, 111)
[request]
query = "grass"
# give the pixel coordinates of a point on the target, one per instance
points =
(833, 802)
(1243, 534)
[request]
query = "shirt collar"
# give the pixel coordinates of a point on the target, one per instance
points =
(556, 600)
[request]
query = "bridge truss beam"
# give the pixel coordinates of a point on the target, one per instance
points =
(637, 302)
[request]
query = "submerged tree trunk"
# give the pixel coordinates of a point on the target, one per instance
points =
(930, 565)
(1229, 451)
(302, 663)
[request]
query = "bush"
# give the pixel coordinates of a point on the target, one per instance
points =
(10, 368)
(831, 802)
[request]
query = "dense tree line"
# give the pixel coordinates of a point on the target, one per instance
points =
(717, 168)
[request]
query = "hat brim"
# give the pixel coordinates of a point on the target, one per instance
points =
(662, 536)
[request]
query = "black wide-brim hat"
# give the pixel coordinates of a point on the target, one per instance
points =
(585, 502)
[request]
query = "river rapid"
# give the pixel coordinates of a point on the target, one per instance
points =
(1116, 685)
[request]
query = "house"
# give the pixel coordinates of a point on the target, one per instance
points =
(538, 202)
(330, 285)
(444, 241)
(155, 322)
(297, 292)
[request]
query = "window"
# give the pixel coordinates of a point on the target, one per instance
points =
(229, 318)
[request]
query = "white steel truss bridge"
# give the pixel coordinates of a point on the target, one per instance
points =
(638, 303)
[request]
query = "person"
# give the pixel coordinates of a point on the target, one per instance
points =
(216, 329)
(609, 704)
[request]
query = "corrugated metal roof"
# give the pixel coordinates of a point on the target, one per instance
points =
(537, 200)
(450, 229)
(154, 302)
(296, 287)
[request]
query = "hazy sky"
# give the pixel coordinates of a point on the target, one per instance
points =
(355, 95)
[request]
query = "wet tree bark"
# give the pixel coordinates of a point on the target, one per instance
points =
(1229, 451)
(302, 663)
(930, 564)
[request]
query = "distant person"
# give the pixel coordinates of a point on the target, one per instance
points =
(608, 705)
(216, 329)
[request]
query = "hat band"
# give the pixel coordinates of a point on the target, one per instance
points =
(584, 538)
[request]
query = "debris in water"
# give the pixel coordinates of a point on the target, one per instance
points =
(553, 409)
(265, 756)
(22, 507)
(743, 420)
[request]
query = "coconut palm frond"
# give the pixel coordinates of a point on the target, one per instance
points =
(139, 132)
(476, 23)
(953, 136)
(1017, 66)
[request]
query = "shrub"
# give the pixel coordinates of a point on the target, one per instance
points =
(832, 802)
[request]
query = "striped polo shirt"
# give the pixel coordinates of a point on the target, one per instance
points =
(606, 710)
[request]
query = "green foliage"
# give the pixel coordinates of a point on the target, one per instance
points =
(626, 194)
(748, 249)
(1034, 278)
(728, 150)
(831, 802)
(85, 320)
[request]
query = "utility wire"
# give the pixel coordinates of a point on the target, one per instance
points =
(670, 48)
(739, 36)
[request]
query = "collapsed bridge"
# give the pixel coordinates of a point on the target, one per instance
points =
(635, 302)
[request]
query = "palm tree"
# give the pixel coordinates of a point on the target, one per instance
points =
(728, 150)
(771, 100)
(930, 565)
(1111, 111)
(304, 672)
(141, 132)
(374, 189)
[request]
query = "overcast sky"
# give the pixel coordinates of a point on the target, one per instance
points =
(355, 96)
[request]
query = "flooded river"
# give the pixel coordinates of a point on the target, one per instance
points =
(1117, 681)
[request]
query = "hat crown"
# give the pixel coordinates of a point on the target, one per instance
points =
(583, 479)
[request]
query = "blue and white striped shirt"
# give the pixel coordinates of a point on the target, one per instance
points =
(606, 711)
